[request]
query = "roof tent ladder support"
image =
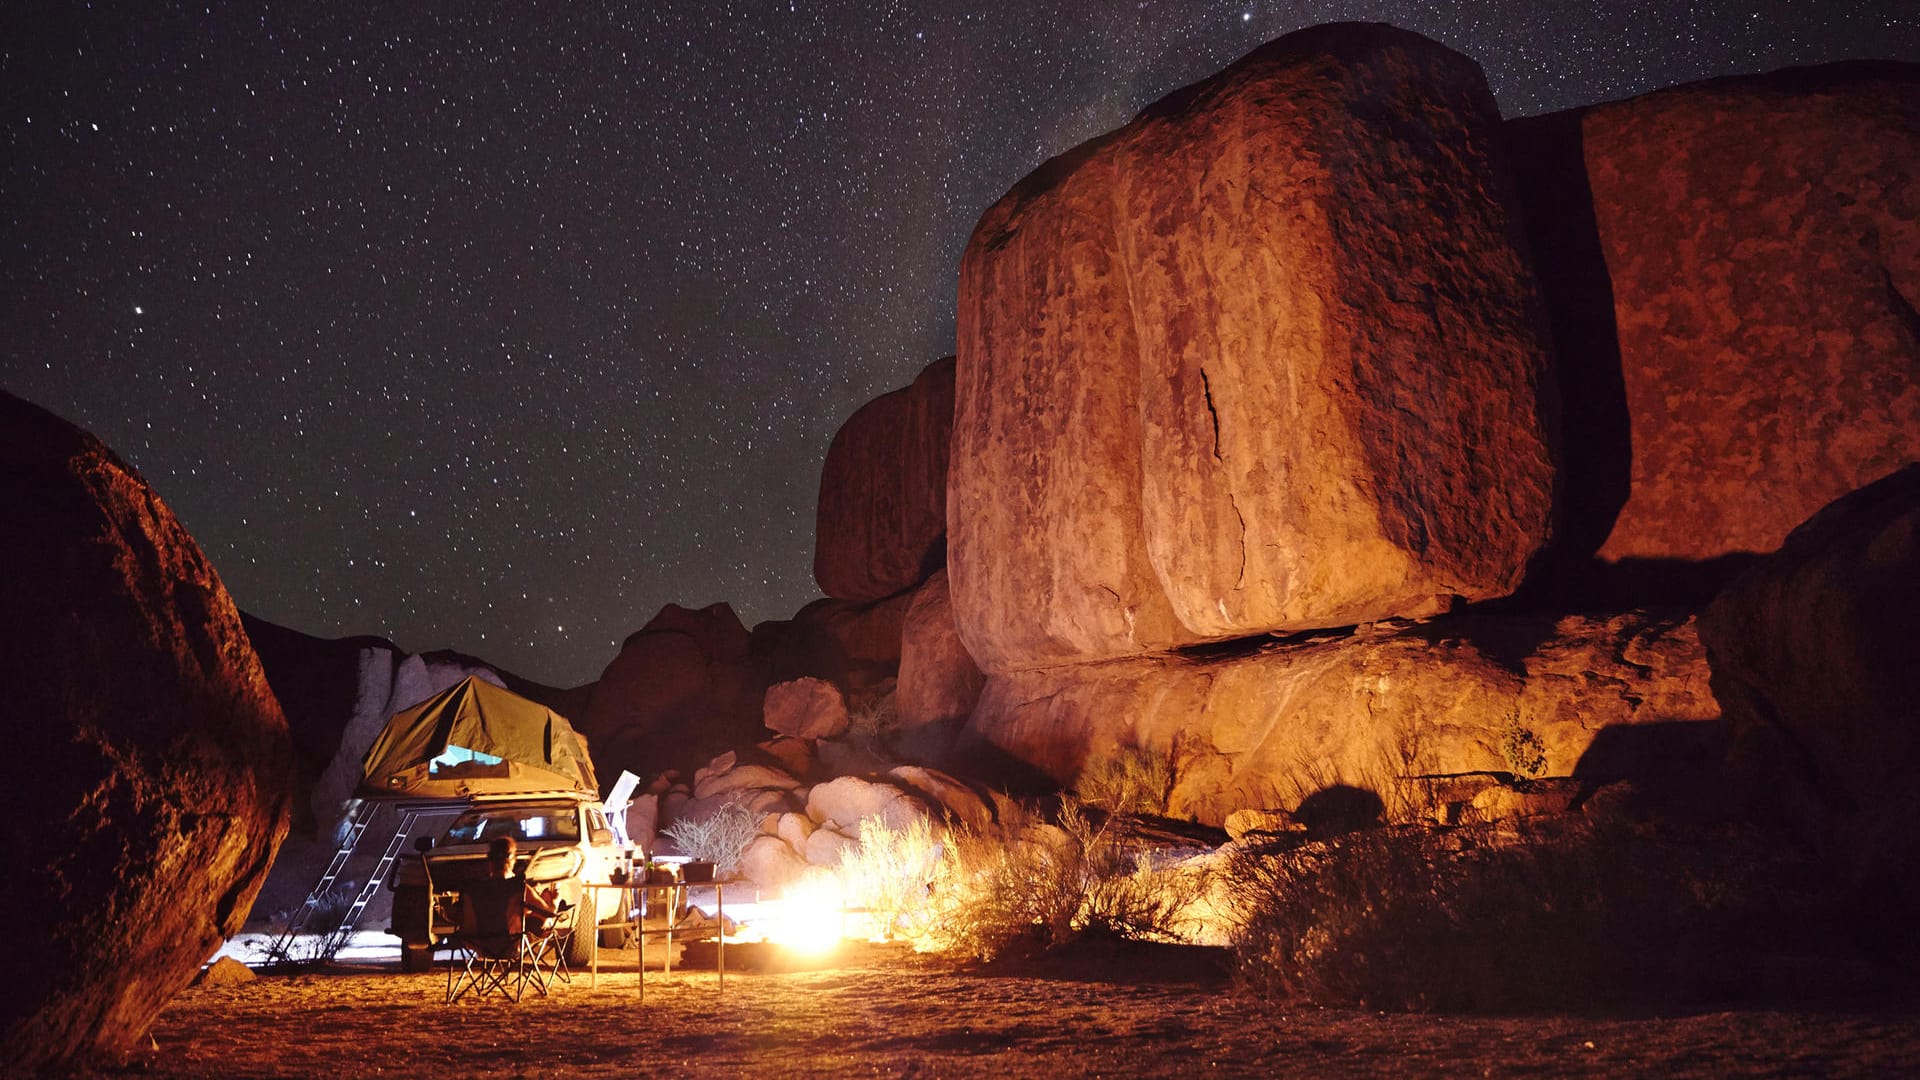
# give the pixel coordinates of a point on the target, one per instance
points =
(395, 844)
(358, 819)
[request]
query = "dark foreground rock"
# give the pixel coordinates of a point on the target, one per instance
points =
(1816, 659)
(146, 782)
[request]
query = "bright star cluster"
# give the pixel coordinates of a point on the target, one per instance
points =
(496, 326)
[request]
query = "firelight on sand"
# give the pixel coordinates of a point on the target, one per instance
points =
(810, 918)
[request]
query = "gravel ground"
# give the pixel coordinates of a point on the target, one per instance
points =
(883, 1012)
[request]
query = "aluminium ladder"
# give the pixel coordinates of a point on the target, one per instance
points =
(360, 819)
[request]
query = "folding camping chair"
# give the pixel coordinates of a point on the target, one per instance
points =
(493, 951)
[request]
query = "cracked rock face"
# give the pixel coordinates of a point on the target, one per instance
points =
(148, 774)
(1269, 358)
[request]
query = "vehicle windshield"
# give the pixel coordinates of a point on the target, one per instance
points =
(520, 822)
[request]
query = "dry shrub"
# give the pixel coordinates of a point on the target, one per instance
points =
(873, 716)
(1134, 781)
(1023, 886)
(720, 837)
(1414, 918)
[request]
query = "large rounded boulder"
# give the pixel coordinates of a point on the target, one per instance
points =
(147, 778)
(1269, 358)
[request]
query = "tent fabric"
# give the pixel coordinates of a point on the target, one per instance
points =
(537, 748)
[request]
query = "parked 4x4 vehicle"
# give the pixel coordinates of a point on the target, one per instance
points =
(563, 840)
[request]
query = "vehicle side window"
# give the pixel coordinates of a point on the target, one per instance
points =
(600, 834)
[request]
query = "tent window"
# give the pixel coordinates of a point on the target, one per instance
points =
(460, 760)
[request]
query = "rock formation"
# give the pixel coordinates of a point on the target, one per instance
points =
(682, 687)
(148, 770)
(882, 516)
(806, 709)
(1268, 358)
(1597, 697)
(939, 682)
(1731, 268)
(1816, 655)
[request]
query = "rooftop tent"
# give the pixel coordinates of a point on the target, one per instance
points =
(475, 738)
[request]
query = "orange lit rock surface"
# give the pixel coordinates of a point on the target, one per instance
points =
(806, 709)
(1268, 358)
(1602, 697)
(1816, 655)
(148, 776)
(881, 523)
(1762, 237)
(938, 679)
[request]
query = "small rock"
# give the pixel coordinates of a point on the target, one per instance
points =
(826, 847)
(848, 801)
(225, 971)
(960, 802)
(719, 764)
(794, 829)
(794, 755)
(743, 778)
(806, 709)
(769, 863)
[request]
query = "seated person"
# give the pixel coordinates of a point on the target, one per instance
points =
(537, 907)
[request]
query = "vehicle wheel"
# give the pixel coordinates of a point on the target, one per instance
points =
(415, 958)
(614, 937)
(581, 947)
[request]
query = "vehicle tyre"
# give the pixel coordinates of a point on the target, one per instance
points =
(416, 957)
(581, 947)
(614, 937)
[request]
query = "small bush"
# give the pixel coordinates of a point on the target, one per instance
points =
(872, 717)
(1526, 755)
(1135, 781)
(1024, 886)
(719, 838)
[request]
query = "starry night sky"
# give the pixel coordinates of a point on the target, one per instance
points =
(498, 326)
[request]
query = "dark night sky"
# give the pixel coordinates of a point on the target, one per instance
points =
(498, 326)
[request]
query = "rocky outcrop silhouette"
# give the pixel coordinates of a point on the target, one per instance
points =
(147, 779)
(683, 687)
(881, 524)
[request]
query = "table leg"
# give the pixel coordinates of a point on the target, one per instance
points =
(673, 914)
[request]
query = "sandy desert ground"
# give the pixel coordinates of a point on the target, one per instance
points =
(883, 1012)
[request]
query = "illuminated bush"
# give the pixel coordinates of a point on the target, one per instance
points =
(719, 838)
(1022, 886)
